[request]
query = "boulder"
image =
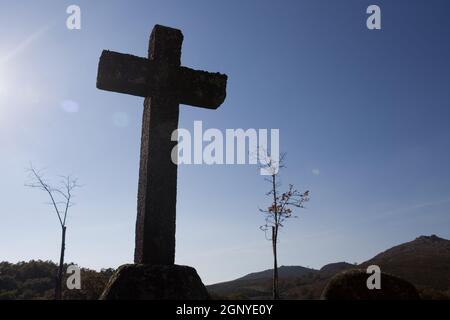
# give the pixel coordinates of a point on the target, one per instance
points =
(352, 285)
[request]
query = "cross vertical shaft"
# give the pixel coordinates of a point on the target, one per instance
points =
(155, 224)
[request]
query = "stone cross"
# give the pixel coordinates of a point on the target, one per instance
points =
(164, 84)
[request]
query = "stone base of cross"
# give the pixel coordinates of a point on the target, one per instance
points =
(155, 282)
(165, 84)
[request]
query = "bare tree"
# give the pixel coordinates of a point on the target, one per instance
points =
(281, 208)
(60, 200)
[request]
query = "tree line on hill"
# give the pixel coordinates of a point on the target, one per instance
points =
(35, 280)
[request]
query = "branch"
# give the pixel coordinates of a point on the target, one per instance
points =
(68, 185)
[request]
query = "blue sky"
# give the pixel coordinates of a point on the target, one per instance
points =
(363, 116)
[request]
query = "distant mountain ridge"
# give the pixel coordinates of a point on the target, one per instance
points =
(425, 262)
(283, 272)
(333, 268)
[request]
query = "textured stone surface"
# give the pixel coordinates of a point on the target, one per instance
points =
(142, 77)
(157, 189)
(351, 285)
(165, 84)
(145, 282)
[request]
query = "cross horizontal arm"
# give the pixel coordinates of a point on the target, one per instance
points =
(142, 77)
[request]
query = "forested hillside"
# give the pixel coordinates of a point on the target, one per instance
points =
(36, 280)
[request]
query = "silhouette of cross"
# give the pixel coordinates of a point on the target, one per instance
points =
(164, 84)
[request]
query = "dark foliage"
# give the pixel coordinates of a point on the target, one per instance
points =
(35, 280)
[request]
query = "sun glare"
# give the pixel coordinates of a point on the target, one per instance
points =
(3, 89)
(3, 95)
(2, 85)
